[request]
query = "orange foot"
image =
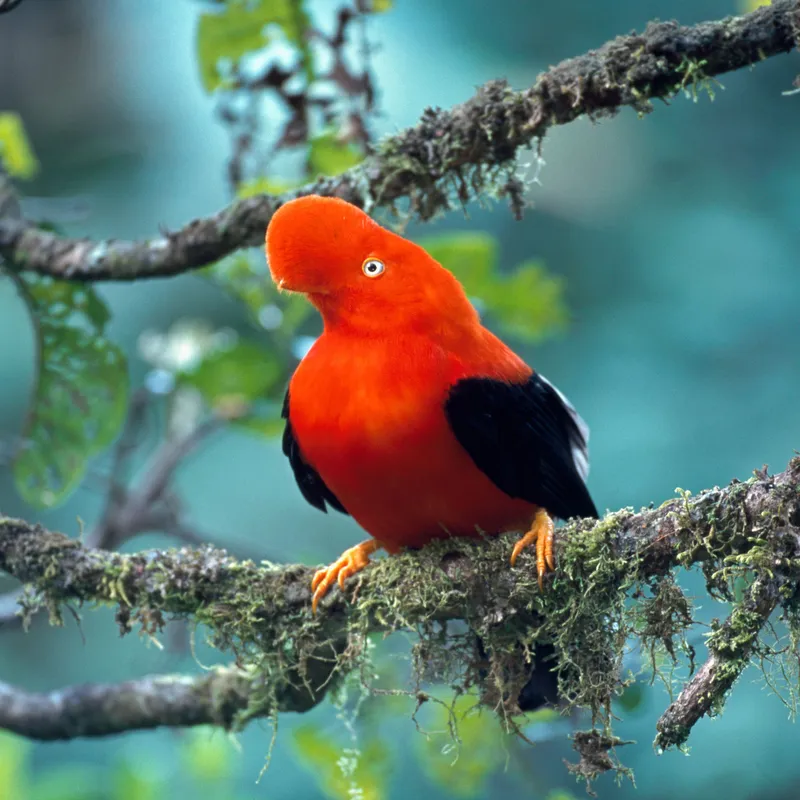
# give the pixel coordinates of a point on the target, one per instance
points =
(541, 533)
(348, 563)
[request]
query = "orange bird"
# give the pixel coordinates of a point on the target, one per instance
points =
(407, 413)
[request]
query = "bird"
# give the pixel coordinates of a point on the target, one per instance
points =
(407, 413)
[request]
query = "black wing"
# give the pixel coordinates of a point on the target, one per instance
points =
(308, 479)
(527, 438)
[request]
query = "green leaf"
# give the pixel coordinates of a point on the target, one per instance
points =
(342, 774)
(135, 781)
(206, 753)
(81, 389)
(528, 302)
(252, 285)
(239, 29)
(379, 6)
(14, 778)
(462, 769)
(471, 256)
(15, 149)
(329, 156)
(240, 374)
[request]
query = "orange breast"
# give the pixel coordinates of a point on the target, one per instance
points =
(371, 421)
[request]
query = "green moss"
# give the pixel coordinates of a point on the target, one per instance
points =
(662, 619)
(692, 80)
(591, 608)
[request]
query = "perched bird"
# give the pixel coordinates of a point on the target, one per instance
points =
(407, 413)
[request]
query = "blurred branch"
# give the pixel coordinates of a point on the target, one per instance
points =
(223, 696)
(747, 530)
(9, 202)
(105, 709)
(149, 506)
(449, 156)
(8, 5)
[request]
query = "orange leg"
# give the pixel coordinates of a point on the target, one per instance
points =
(348, 563)
(541, 533)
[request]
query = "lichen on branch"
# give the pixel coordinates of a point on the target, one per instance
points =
(743, 535)
(450, 156)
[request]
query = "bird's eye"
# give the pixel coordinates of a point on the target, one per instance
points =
(372, 267)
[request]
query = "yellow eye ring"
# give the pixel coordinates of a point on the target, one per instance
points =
(372, 267)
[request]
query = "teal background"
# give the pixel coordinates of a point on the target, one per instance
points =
(677, 234)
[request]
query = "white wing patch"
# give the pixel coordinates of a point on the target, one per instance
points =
(580, 448)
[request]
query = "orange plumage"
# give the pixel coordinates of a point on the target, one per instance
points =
(380, 411)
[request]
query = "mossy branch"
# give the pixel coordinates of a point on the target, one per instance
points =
(450, 156)
(745, 537)
(731, 647)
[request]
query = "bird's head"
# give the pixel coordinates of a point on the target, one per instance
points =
(358, 274)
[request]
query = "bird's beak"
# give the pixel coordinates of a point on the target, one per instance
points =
(283, 286)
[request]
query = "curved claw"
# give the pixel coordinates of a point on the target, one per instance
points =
(541, 533)
(349, 563)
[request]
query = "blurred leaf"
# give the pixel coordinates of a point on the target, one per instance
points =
(267, 423)
(239, 29)
(471, 256)
(13, 766)
(135, 781)
(379, 6)
(751, 5)
(239, 278)
(461, 769)
(342, 774)
(268, 309)
(632, 697)
(241, 373)
(560, 794)
(265, 185)
(528, 303)
(68, 782)
(81, 389)
(329, 156)
(206, 752)
(15, 149)
(544, 714)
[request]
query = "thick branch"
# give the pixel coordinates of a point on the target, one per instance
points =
(148, 505)
(265, 610)
(184, 581)
(461, 149)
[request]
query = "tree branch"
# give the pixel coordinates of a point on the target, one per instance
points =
(731, 647)
(746, 530)
(456, 154)
(8, 5)
(106, 709)
(146, 506)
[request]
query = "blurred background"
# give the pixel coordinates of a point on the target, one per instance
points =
(655, 281)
